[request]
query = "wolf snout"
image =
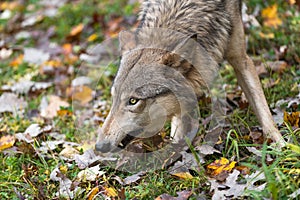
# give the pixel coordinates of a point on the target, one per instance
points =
(103, 146)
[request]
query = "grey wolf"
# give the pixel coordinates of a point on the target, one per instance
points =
(169, 62)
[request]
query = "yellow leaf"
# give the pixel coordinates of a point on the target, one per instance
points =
(266, 35)
(111, 192)
(291, 2)
(294, 148)
(183, 175)
(84, 94)
(292, 119)
(17, 61)
(92, 37)
(92, 193)
(63, 169)
(6, 142)
(270, 16)
(53, 63)
(10, 5)
(219, 166)
(76, 30)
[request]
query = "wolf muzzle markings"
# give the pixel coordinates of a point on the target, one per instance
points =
(169, 61)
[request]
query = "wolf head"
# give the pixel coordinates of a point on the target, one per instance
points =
(155, 82)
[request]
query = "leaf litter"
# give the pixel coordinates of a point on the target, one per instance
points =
(60, 74)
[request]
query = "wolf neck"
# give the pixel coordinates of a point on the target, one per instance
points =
(207, 20)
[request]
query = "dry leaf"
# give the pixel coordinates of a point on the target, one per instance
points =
(67, 48)
(49, 108)
(9, 102)
(92, 193)
(267, 35)
(183, 175)
(220, 168)
(110, 191)
(10, 5)
(6, 142)
(270, 16)
(17, 61)
(76, 30)
(292, 119)
(92, 37)
(183, 195)
(83, 94)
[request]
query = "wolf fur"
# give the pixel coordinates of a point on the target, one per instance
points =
(171, 58)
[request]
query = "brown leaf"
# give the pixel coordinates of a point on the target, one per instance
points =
(49, 110)
(83, 94)
(183, 195)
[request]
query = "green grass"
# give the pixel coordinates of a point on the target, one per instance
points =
(28, 173)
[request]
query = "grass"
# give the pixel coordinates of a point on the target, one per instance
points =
(24, 172)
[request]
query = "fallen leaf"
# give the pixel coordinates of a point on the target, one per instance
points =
(270, 16)
(133, 178)
(35, 56)
(31, 132)
(183, 195)
(277, 66)
(6, 142)
(83, 94)
(244, 170)
(17, 61)
(76, 30)
(90, 174)
(267, 35)
(5, 53)
(220, 168)
(92, 193)
(110, 191)
(67, 48)
(183, 175)
(9, 102)
(50, 107)
(10, 5)
(92, 37)
(69, 152)
(292, 119)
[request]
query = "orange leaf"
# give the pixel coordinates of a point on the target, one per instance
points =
(6, 141)
(64, 113)
(76, 30)
(67, 48)
(17, 61)
(84, 94)
(220, 166)
(92, 193)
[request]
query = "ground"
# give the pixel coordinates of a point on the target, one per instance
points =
(58, 60)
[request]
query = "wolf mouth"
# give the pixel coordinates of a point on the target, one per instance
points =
(130, 137)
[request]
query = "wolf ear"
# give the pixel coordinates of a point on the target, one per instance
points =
(151, 90)
(127, 41)
(181, 58)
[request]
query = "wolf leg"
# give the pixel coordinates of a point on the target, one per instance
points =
(249, 81)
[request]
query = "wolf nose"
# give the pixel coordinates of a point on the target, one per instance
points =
(103, 146)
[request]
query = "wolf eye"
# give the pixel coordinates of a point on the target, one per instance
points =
(133, 101)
